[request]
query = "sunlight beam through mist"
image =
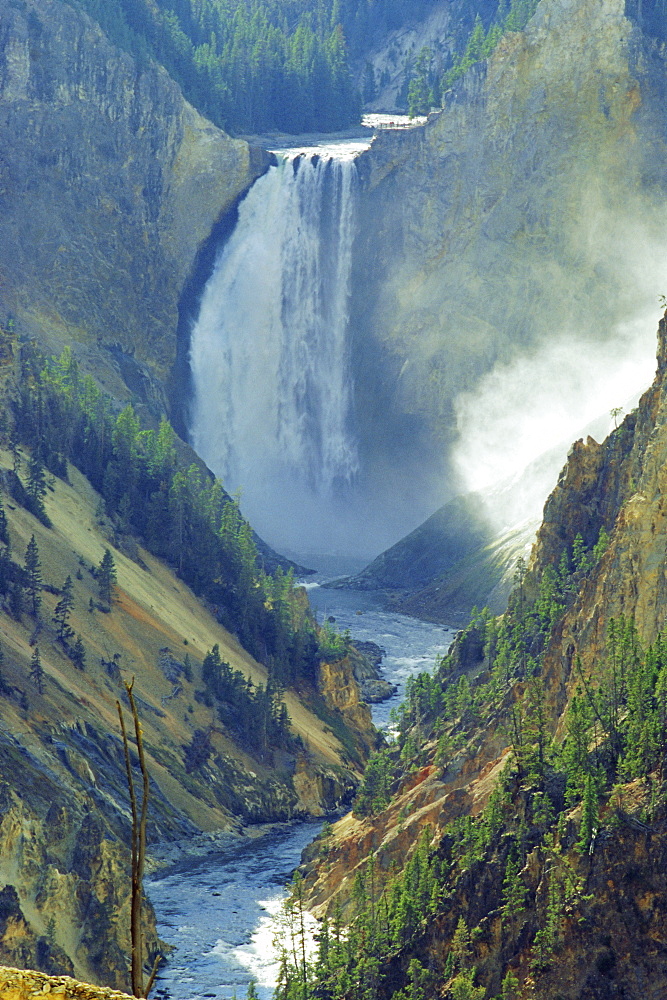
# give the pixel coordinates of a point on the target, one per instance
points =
(537, 404)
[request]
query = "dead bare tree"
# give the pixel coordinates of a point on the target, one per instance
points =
(139, 818)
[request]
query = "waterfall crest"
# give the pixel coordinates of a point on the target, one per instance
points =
(269, 354)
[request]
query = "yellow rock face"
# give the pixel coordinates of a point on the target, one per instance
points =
(21, 984)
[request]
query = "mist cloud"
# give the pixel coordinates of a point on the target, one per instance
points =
(516, 427)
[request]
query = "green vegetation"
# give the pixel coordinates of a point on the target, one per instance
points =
(106, 577)
(62, 611)
(429, 82)
(550, 802)
(256, 714)
(182, 515)
(246, 64)
(253, 65)
(373, 794)
(256, 65)
(33, 576)
(36, 670)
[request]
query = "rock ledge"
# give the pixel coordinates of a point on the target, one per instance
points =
(22, 984)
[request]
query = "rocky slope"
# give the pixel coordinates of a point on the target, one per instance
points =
(444, 29)
(451, 563)
(110, 183)
(64, 864)
(587, 918)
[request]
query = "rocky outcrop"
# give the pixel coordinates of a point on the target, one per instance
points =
(18, 984)
(109, 185)
(448, 565)
(65, 901)
(617, 485)
(446, 537)
(340, 690)
(444, 28)
(366, 660)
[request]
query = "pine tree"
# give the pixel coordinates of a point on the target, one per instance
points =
(419, 91)
(461, 944)
(36, 488)
(16, 600)
(589, 817)
(4, 529)
(36, 670)
(106, 577)
(514, 891)
(463, 987)
(77, 654)
(63, 610)
(535, 731)
(33, 572)
(5, 688)
(510, 987)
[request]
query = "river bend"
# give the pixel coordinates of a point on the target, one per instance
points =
(218, 910)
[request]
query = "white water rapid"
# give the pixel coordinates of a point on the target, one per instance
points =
(269, 355)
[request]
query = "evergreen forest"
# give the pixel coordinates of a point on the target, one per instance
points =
(180, 513)
(252, 65)
(513, 876)
(257, 65)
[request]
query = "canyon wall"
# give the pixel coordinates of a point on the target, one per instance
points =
(526, 215)
(109, 184)
(64, 809)
(466, 770)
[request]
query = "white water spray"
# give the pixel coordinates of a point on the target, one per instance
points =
(270, 348)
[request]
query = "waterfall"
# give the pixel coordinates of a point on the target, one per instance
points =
(270, 356)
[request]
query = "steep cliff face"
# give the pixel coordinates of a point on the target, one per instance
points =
(109, 184)
(504, 225)
(545, 890)
(618, 486)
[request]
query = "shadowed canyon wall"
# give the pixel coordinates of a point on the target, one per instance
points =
(109, 183)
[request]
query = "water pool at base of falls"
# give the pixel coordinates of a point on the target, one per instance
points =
(220, 911)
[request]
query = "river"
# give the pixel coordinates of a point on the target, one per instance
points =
(218, 910)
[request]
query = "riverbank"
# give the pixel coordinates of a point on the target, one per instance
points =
(219, 900)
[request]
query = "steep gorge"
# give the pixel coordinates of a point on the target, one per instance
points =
(506, 220)
(587, 917)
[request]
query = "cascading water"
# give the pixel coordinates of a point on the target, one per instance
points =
(269, 353)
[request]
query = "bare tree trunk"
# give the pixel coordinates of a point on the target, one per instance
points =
(138, 848)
